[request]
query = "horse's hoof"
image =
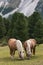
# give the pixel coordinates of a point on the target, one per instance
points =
(12, 57)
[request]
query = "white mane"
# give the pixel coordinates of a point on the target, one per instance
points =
(19, 46)
(28, 46)
(28, 43)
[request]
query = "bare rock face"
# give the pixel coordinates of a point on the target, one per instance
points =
(14, 3)
(9, 5)
(39, 7)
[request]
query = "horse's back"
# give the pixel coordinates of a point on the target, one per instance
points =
(11, 43)
(33, 42)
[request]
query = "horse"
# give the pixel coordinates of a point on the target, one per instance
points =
(29, 46)
(14, 45)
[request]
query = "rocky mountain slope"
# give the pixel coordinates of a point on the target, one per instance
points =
(39, 7)
(9, 5)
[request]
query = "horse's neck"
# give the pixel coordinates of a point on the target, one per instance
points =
(28, 44)
(19, 45)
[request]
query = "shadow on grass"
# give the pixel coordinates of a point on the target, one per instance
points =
(36, 57)
(8, 59)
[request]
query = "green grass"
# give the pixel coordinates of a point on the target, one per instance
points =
(35, 60)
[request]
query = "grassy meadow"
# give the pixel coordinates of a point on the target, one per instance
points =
(35, 60)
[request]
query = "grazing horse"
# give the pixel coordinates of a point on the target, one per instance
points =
(16, 45)
(29, 46)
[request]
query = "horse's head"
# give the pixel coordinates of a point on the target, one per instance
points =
(28, 52)
(21, 54)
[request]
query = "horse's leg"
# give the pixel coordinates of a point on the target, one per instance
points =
(11, 53)
(31, 50)
(25, 51)
(34, 50)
